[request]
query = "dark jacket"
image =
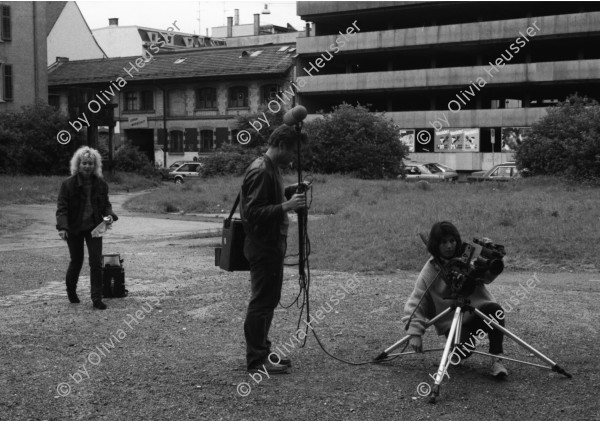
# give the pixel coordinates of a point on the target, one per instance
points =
(71, 203)
(261, 199)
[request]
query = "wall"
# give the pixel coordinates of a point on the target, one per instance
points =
(26, 52)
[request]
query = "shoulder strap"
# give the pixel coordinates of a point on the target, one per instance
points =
(237, 201)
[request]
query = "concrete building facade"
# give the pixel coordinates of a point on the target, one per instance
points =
(23, 65)
(463, 81)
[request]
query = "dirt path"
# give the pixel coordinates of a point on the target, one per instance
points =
(174, 349)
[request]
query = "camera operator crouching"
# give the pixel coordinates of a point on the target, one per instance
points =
(446, 247)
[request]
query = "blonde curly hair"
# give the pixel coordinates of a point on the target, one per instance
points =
(87, 152)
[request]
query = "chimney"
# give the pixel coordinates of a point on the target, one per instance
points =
(256, 24)
(229, 27)
(113, 22)
(236, 17)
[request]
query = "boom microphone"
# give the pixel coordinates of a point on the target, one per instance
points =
(295, 115)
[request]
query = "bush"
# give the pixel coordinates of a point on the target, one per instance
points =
(352, 140)
(230, 160)
(566, 142)
(129, 159)
(259, 126)
(28, 143)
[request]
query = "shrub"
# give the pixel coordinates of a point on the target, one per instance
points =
(566, 142)
(230, 160)
(352, 140)
(28, 143)
(129, 159)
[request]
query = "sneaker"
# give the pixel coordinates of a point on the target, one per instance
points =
(270, 368)
(73, 298)
(99, 305)
(498, 370)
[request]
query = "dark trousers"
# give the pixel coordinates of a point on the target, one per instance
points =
(266, 277)
(94, 246)
(469, 331)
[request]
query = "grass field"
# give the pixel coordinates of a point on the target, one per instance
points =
(27, 190)
(367, 225)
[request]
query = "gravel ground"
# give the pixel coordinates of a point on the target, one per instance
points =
(174, 349)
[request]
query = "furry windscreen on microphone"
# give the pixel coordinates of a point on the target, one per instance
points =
(295, 115)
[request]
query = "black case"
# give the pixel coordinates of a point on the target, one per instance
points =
(230, 256)
(113, 279)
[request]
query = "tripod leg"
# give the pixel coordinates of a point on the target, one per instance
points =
(450, 343)
(492, 322)
(385, 353)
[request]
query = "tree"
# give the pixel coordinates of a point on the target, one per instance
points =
(28, 142)
(353, 140)
(565, 142)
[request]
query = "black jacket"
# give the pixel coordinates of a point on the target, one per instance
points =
(71, 203)
(261, 199)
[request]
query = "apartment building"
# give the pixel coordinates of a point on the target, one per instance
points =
(463, 81)
(23, 75)
(173, 106)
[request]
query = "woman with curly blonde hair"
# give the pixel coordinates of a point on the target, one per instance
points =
(82, 205)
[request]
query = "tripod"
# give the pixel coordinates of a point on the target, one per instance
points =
(459, 307)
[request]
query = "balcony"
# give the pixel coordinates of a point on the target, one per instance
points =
(547, 72)
(514, 117)
(476, 32)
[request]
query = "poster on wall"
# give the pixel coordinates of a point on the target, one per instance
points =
(512, 137)
(457, 140)
(407, 138)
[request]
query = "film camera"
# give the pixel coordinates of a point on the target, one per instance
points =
(463, 273)
(113, 276)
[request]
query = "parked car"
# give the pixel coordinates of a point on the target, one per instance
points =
(501, 172)
(185, 170)
(429, 171)
(165, 171)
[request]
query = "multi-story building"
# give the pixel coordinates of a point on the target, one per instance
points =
(127, 41)
(23, 74)
(462, 80)
(174, 105)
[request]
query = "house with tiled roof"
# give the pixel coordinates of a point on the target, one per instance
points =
(175, 105)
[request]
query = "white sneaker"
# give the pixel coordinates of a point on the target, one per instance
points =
(498, 370)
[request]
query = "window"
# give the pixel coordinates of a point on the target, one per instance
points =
(130, 101)
(189, 168)
(206, 141)
(176, 137)
(147, 101)
(189, 41)
(503, 172)
(206, 98)
(238, 97)
(54, 101)
(6, 84)
(5, 30)
(269, 93)
(153, 37)
(139, 101)
(169, 39)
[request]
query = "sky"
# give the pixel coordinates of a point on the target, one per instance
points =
(161, 15)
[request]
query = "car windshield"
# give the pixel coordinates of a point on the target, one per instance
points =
(444, 168)
(432, 168)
